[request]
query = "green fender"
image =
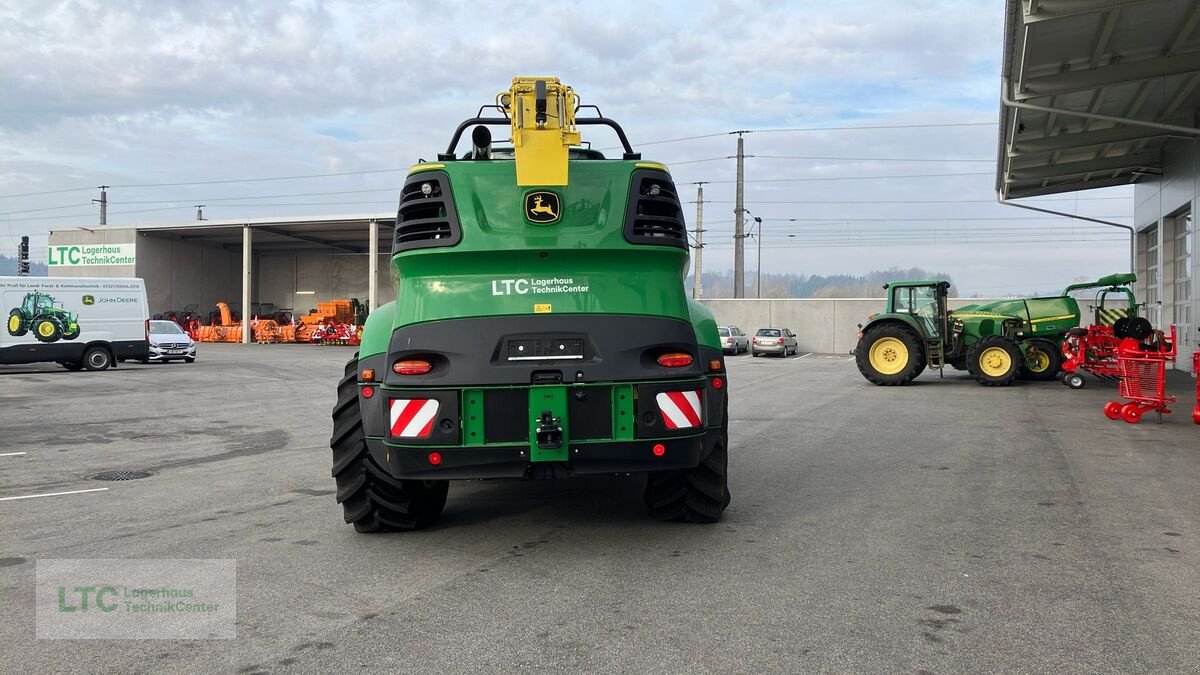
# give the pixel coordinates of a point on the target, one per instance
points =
(906, 319)
(705, 325)
(378, 330)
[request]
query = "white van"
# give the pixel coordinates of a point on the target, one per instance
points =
(78, 322)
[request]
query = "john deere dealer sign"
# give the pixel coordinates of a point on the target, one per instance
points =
(81, 255)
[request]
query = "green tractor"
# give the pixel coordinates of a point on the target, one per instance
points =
(995, 342)
(541, 329)
(48, 320)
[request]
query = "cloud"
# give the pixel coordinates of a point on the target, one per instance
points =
(167, 91)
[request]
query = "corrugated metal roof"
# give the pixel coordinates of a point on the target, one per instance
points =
(1132, 61)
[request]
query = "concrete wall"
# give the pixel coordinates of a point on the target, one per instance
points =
(179, 273)
(825, 326)
(1156, 200)
(330, 277)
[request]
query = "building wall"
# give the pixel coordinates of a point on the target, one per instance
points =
(824, 326)
(330, 277)
(179, 273)
(1166, 267)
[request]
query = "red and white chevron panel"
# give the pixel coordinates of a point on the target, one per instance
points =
(413, 418)
(680, 409)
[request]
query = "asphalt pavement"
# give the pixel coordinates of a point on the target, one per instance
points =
(941, 527)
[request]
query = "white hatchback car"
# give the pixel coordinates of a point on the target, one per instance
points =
(168, 342)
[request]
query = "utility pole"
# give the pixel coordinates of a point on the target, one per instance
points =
(103, 202)
(23, 257)
(739, 237)
(698, 275)
(200, 211)
(758, 235)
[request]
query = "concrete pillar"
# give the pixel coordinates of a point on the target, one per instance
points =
(373, 265)
(247, 329)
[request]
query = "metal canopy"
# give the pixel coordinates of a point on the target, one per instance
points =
(1092, 91)
(285, 236)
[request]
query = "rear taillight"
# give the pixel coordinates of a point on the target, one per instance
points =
(780, 340)
(411, 367)
(675, 360)
(147, 330)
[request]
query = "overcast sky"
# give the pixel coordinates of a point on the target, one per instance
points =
(137, 93)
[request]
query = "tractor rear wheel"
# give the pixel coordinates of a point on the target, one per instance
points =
(994, 361)
(372, 500)
(1043, 360)
(696, 495)
(889, 355)
(47, 329)
(16, 323)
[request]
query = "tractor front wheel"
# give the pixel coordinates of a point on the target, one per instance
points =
(1043, 360)
(17, 325)
(994, 361)
(47, 329)
(372, 500)
(889, 355)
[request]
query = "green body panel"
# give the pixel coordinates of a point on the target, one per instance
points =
(377, 330)
(506, 265)
(554, 400)
(1051, 317)
(706, 325)
(1112, 280)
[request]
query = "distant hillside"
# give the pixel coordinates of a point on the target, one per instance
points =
(8, 267)
(869, 285)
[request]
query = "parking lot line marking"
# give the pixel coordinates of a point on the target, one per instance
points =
(10, 454)
(52, 494)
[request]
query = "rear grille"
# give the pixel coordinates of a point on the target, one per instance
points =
(426, 220)
(654, 218)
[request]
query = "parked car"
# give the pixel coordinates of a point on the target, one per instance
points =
(168, 342)
(733, 340)
(779, 341)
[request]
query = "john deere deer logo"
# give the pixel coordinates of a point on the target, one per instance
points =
(541, 207)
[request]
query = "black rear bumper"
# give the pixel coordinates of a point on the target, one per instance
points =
(407, 462)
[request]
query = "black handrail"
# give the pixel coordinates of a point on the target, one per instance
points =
(504, 121)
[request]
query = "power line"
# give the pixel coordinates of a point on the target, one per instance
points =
(902, 201)
(798, 180)
(230, 199)
(872, 159)
(48, 192)
(48, 208)
(798, 129)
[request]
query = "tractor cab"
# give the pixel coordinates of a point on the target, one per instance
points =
(38, 303)
(924, 301)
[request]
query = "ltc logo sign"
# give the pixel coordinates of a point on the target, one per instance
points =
(541, 207)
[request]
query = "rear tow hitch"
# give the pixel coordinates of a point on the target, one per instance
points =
(549, 432)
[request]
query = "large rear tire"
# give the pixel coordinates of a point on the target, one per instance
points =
(1043, 360)
(889, 355)
(696, 495)
(994, 361)
(372, 500)
(17, 326)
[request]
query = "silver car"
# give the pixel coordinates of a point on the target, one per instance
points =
(779, 341)
(733, 340)
(168, 342)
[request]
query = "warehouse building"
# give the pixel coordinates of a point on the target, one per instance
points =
(291, 263)
(1099, 94)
